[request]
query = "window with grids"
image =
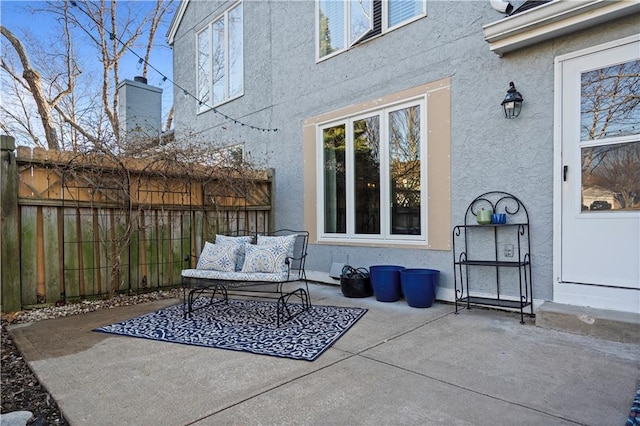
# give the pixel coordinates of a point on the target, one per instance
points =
(343, 23)
(373, 175)
(220, 61)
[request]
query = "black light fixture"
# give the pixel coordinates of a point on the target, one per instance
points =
(512, 103)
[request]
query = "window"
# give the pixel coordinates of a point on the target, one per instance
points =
(374, 175)
(401, 11)
(220, 61)
(610, 137)
(367, 175)
(343, 23)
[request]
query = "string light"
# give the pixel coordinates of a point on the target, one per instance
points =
(185, 92)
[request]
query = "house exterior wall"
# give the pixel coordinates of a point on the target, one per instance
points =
(284, 86)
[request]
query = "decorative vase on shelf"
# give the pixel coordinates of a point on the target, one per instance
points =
(484, 217)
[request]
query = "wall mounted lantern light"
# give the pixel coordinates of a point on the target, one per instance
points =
(512, 103)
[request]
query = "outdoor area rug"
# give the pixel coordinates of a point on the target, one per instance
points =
(634, 413)
(245, 325)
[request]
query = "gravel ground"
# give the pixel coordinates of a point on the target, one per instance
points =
(21, 390)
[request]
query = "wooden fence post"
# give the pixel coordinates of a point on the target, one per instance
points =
(10, 299)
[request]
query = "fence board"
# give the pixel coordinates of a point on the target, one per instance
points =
(261, 222)
(232, 224)
(121, 250)
(210, 228)
(28, 254)
(185, 243)
(143, 270)
(87, 254)
(101, 226)
(167, 251)
(177, 249)
(70, 249)
(97, 253)
(51, 253)
(134, 255)
(153, 250)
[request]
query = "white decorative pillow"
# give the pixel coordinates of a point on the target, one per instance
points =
(240, 241)
(221, 239)
(219, 257)
(269, 258)
(288, 241)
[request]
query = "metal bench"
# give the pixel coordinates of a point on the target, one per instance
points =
(252, 275)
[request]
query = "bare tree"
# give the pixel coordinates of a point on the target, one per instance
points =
(610, 108)
(19, 116)
(114, 37)
(33, 82)
(169, 121)
(619, 172)
(68, 110)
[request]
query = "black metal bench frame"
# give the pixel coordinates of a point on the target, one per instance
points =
(289, 303)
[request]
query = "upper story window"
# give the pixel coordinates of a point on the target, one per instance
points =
(220, 60)
(341, 24)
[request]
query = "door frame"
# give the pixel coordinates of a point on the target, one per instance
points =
(618, 299)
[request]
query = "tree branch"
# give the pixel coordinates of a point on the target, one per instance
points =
(33, 80)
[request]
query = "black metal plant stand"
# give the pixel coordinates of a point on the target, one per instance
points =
(489, 240)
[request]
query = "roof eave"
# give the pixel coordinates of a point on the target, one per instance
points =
(552, 20)
(175, 23)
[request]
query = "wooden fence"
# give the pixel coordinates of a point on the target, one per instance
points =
(90, 226)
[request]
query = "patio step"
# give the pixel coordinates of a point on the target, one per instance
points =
(617, 326)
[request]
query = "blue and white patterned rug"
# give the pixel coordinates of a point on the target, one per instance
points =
(634, 413)
(245, 325)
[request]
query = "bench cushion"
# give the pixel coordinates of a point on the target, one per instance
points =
(235, 276)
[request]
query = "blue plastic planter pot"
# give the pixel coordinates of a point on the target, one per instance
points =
(419, 286)
(385, 280)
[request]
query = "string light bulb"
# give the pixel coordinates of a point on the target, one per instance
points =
(186, 94)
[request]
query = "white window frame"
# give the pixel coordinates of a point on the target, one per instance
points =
(385, 235)
(385, 17)
(347, 22)
(206, 105)
(208, 67)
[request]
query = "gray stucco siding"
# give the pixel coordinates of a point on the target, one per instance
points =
(284, 85)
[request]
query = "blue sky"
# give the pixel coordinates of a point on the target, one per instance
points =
(22, 20)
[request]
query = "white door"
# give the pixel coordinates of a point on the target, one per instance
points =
(598, 118)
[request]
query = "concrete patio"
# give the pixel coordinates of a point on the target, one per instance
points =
(397, 365)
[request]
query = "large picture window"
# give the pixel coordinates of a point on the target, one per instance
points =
(343, 23)
(373, 183)
(220, 59)
(371, 177)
